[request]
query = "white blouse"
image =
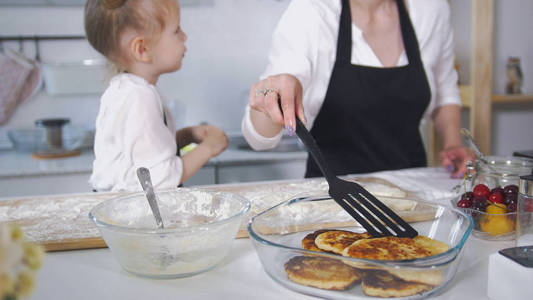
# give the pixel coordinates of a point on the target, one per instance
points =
(130, 133)
(304, 44)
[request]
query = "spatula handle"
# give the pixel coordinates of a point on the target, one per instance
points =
(312, 147)
(310, 143)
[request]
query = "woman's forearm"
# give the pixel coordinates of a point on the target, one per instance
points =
(447, 120)
(263, 124)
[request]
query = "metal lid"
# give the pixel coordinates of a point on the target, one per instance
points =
(52, 122)
(526, 185)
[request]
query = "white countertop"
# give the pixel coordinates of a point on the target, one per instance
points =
(94, 274)
(16, 164)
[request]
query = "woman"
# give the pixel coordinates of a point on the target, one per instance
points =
(363, 73)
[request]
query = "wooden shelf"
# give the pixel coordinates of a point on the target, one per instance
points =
(521, 98)
(466, 97)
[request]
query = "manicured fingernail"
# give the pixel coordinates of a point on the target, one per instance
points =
(291, 130)
(450, 168)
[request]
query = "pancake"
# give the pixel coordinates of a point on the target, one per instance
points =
(308, 241)
(383, 284)
(428, 277)
(394, 248)
(385, 248)
(433, 246)
(337, 240)
(321, 272)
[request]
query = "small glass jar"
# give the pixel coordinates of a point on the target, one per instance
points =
(524, 222)
(498, 171)
(494, 220)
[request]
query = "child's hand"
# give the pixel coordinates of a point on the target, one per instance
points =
(199, 133)
(214, 138)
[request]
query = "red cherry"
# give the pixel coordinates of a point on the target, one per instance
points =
(481, 190)
(467, 196)
(511, 189)
(511, 207)
(480, 203)
(509, 198)
(498, 189)
(464, 203)
(496, 198)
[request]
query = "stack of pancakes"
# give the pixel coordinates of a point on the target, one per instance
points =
(336, 274)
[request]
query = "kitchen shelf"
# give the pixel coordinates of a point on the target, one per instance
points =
(466, 97)
(521, 98)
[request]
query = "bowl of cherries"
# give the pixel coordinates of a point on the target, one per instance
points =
(493, 210)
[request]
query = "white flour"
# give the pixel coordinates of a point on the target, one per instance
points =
(65, 217)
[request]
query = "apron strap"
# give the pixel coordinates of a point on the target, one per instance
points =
(344, 40)
(409, 36)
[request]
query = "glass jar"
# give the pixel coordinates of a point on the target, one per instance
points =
(524, 222)
(498, 171)
(494, 217)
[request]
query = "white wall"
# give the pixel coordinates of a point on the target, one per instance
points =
(227, 46)
(228, 42)
(512, 124)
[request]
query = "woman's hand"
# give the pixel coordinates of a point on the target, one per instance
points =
(266, 115)
(454, 156)
(454, 159)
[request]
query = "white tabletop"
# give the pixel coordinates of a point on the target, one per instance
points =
(94, 274)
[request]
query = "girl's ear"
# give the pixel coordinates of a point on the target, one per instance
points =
(139, 50)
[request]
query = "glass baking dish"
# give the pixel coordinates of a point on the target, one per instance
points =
(277, 235)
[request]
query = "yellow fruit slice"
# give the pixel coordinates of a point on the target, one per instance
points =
(496, 209)
(495, 222)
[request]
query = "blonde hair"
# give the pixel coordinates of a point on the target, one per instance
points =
(106, 21)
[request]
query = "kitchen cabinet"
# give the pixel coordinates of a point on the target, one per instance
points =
(50, 184)
(205, 175)
(23, 176)
(279, 170)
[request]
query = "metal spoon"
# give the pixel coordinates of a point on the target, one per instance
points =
(146, 182)
(466, 134)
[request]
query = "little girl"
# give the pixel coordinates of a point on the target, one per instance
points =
(134, 127)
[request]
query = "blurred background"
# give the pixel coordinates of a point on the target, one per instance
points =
(228, 42)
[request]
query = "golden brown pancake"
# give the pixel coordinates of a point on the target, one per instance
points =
(308, 241)
(429, 277)
(337, 240)
(383, 284)
(394, 248)
(321, 272)
(385, 248)
(433, 246)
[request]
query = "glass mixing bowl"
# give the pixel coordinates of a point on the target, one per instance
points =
(277, 235)
(200, 226)
(34, 139)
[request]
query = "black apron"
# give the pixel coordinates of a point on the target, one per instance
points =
(370, 118)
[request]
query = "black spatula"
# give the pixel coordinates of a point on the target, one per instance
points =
(378, 219)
